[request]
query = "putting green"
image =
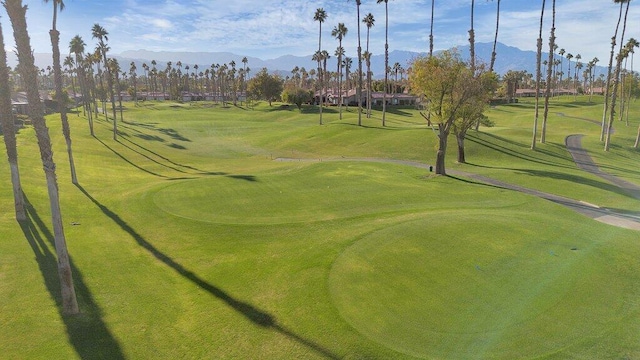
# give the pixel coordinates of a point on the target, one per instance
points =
(509, 287)
(315, 192)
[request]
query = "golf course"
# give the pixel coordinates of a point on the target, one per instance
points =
(253, 232)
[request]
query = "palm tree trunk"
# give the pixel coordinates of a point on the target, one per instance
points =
(433, 3)
(386, 63)
(16, 13)
(616, 80)
(9, 133)
(60, 98)
(359, 92)
(538, 78)
(472, 42)
(609, 69)
(547, 93)
(495, 39)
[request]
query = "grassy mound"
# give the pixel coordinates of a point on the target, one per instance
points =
(434, 291)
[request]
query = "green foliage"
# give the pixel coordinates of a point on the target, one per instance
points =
(297, 95)
(264, 86)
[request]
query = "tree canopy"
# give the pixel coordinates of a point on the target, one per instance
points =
(265, 86)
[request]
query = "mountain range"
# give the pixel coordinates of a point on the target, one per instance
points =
(508, 58)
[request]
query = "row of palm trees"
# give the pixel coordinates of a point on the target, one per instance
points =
(339, 32)
(613, 77)
(17, 15)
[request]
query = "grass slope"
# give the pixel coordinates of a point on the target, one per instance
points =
(189, 241)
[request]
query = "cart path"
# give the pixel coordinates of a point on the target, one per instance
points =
(628, 221)
(584, 161)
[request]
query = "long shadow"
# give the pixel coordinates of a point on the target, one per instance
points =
(510, 152)
(169, 132)
(87, 332)
(169, 160)
(578, 180)
(138, 166)
(252, 313)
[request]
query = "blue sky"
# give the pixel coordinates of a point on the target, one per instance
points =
(270, 28)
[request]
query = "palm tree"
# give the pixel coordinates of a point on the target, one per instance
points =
(98, 32)
(347, 62)
(76, 46)
(632, 43)
(547, 93)
(134, 79)
(17, 15)
(472, 41)
(386, 60)
(575, 76)
(68, 64)
(324, 55)
(616, 76)
(561, 53)
(569, 57)
(433, 4)
(369, 21)
(339, 32)
(609, 69)
(154, 78)
(359, 89)
(9, 133)
(60, 98)
(495, 38)
(538, 78)
(320, 16)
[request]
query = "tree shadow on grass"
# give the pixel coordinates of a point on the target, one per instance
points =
(255, 315)
(173, 134)
(87, 332)
(138, 166)
(173, 145)
(529, 156)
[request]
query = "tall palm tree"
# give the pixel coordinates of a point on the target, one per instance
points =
(616, 76)
(98, 32)
(339, 32)
(369, 21)
(569, 57)
(320, 16)
(76, 46)
(472, 41)
(495, 38)
(347, 62)
(609, 69)
(538, 78)
(433, 5)
(134, 78)
(632, 43)
(17, 15)
(9, 133)
(561, 53)
(359, 89)
(60, 98)
(578, 57)
(386, 60)
(547, 93)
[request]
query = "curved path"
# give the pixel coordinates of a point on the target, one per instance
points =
(580, 156)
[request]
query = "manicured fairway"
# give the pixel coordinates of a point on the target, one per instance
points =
(189, 239)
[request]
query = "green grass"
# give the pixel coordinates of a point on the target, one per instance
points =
(190, 241)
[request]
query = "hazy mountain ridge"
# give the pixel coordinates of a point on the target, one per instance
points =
(508, 58)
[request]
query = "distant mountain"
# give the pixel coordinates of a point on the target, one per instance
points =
(508, 58)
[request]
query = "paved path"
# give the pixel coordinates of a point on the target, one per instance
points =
(586, 163)
(580, 156)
